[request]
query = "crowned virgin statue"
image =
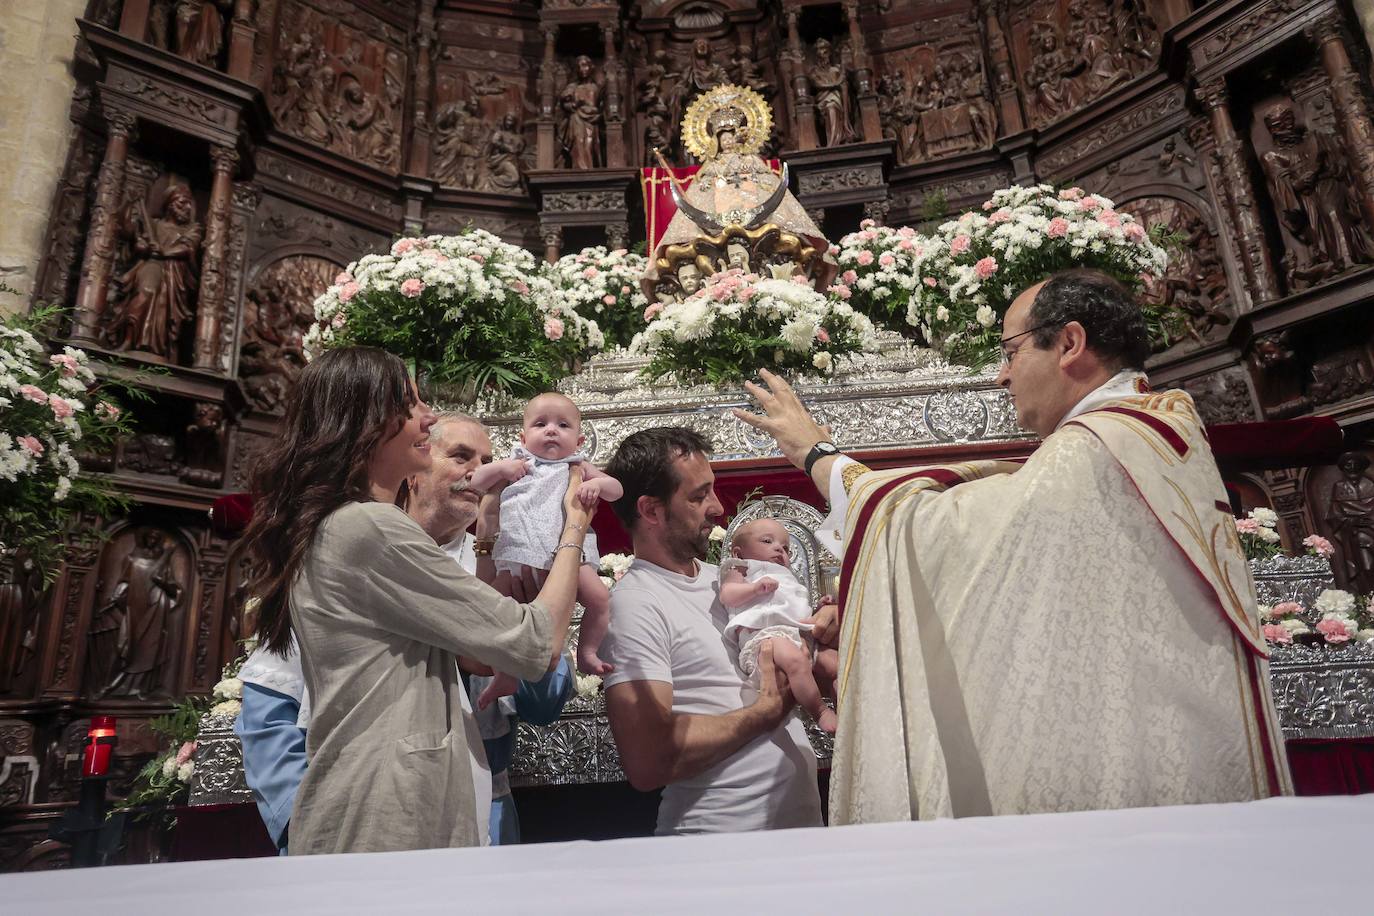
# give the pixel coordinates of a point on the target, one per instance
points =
(734, 201)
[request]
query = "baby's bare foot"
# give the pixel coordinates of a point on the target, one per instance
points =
(588, 662)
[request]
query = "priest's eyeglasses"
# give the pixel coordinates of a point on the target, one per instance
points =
(1009, 355)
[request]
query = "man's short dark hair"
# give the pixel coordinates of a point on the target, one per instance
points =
(1102, 305)
(644, 466)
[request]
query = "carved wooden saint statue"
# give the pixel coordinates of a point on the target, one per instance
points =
(582, 104)
(158, 288)
(1312, 195)
(1350, 512)
(200, 29)
(504, 148)
(830, 86)
(128, 637)
(20, 588)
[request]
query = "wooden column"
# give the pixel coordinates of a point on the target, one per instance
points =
(100, 239)
(1001, 75)
(870, 122)
(241, 36)
(418, 159)
(1245, 215)
(210, 302)
(544, 130)
(615, 111)
(133, 19)
(805, 127)
(1351, 107)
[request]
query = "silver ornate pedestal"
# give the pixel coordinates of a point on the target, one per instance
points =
(902, 397)
(1320, 690)
(218, 777)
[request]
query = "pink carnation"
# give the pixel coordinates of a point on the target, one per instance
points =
(652, 310)
(1089, 204)
(1247, 526)
(1286, 609)
(1318, 545)
(338, 320)
(60, 408)
(822, 335)
(985, 268)
(1001, 216)
(590, 272)
(849, 276)
(520, 286)
(988, 205)
(868, 235)
(833, 250)
(342, 278)
(839, 289)
(865, 258)
(412, 287)
(1071, 194)
(477, 258)
(184, 755)
(1109, 218)
(800, 280)
(906, 232)
(1335, 631)
(108, 411)
(886, 260)
(402, 246)
(624, 290)
(1058, 228)
(608, 299)
(930, 281)
(1277, 633)
(67, 363)
(437, 256)
(866, 224)
(32, 445)
(34, 393)
(553, 328)
(1134, 232)
(906, 244)
(960, 244)
(348, 291)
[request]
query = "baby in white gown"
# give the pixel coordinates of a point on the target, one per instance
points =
(767, 602)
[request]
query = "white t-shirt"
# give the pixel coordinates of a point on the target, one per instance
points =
(670, 628)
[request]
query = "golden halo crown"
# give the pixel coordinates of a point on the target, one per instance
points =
(727, 105)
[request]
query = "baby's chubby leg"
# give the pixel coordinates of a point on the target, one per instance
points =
(796, 664)
(596, 620)
(502, 685)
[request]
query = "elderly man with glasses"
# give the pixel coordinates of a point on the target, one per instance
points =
(1076, 631)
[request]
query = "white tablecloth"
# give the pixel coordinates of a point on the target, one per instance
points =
(1290, 855)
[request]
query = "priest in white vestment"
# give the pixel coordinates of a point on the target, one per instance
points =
(1076, 631)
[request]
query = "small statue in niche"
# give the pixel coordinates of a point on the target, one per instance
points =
(1350, 513)
(1311, 189)
(1279, 381)
(205, 439)
(21, 587)
(658, 131)
(150, 453)
(830, 89)
(703, 74)
(128, 635)
(1135, 28)
(159, 23)
(303, 81)
(747, 72)
(582, 103)
(458, 144)
(504, 148)
(369, 126)
(158, 288)
(200, 29)
(1339, 376)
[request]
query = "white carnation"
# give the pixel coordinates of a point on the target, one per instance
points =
(1334, 601)
(1266, 517)
(185, 771)
(986, 316)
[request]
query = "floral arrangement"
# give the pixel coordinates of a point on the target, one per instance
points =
(1259, 534)
(603, 286)
(719, 334)
(970, 270)
(1336, 618)
(49, 402)
(878, 273)
(165, 780)
(473, 312)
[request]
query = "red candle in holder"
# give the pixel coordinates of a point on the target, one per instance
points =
(100, 742)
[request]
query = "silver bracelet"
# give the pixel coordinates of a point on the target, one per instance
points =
(578, 547)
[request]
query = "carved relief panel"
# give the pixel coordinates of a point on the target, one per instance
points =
(1341, 500)
(278, 310)
(479, 139)
(138, 625)
(1071, 52)
(1195, 282)
(339, 81)
(933, 101)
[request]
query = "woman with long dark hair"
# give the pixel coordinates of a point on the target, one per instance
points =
(381, 613)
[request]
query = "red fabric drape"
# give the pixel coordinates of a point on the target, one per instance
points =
(1332, 766)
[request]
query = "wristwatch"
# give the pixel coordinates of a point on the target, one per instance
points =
(818, 451)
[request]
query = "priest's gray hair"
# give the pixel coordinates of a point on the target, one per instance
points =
(1105, 308)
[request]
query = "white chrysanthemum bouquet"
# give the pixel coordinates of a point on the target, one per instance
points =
(738, 321)
(878, 273)
(603, 286)
(971, 269)
(48, 403)
(474, 312)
